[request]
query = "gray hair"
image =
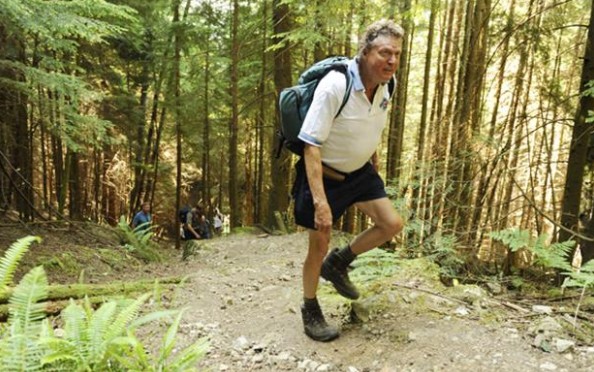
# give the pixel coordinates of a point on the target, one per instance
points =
(383, 27)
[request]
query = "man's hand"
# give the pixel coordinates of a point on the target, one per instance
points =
(323, 217)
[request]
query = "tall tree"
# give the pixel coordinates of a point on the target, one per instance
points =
(234, 204)
(279, 193)
(581, 137)
(177, 109)
(397, 117)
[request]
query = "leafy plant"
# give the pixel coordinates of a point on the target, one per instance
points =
(375, 264)
(18, 347)
(105, 340)
(138, 240)
(139, 359)
(92, 340)
(550, 256)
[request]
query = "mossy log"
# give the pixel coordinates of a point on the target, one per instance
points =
(55, 307)
(63, 292)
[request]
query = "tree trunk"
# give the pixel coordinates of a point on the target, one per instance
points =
(206, 173)
(177, 113)
(15, 128)
(260, 123)
(418, 177)
(582, 134)
(397, 117)
(279, 193)
(234, 205)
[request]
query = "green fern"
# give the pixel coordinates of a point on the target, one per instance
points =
(12, 257)
(374, 264)
(584, 278)
(138, 240)
(166, 360)
(550, 256)
(514, 238)
(20, 350)
(93, 338)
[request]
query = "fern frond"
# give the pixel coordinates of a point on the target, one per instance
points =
(98, 325)
(187, 358)
(514, 238)
(62, 351)
(25, 319)
(152, 317)
(24, 302)
(76, 328)
(12, 257)
(125, 317)
(169, 339)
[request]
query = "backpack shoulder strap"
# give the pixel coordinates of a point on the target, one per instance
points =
(391, 86)
(347, 93)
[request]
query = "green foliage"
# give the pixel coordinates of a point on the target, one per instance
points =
(140, 360)
(9, 262)
(138, 241)
(19, 349)
(548, 256)
(93, 340)
(582, 278)
(374, 264)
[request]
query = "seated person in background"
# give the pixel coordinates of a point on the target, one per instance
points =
(203, 227)
(143, 217)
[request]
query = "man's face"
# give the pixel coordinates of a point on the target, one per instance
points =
(383, 58)
(146, 207)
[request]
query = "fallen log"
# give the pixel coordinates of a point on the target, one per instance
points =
(54, 307)
(58, 292)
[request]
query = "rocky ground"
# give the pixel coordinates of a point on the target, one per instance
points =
(244, 295)
(244, 291)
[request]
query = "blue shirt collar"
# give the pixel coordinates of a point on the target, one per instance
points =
(354, 71)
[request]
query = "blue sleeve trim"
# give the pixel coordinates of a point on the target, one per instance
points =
(309, 139)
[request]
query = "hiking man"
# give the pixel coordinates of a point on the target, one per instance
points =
(340, 168)
(143, 217)
(194, 224)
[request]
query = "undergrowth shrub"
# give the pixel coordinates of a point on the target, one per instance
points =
(138, 241)
(549, 256)
(90, 340)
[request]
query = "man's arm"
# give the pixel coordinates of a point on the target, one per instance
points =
(313, 167)
(375, 161)
(135, 221)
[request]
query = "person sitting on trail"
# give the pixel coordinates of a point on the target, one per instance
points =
(203, 227)
(143, 218)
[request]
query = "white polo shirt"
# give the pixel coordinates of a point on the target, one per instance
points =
(348, 141)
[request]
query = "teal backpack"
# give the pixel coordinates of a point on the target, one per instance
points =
(294, 102)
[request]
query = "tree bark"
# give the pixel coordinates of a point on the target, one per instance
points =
(582, 135)
(234, 205)
(397, 117)
(279, 193)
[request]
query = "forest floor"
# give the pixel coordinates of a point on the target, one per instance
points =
(244, 291)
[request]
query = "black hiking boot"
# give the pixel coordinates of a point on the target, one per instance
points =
(334, 270)
(315, 325)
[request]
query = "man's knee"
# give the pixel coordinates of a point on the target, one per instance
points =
(392, 226)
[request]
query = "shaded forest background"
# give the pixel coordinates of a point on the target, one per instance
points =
(105, 104)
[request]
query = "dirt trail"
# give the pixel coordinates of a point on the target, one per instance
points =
(245, 292)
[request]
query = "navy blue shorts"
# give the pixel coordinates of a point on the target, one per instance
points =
(361, 185)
